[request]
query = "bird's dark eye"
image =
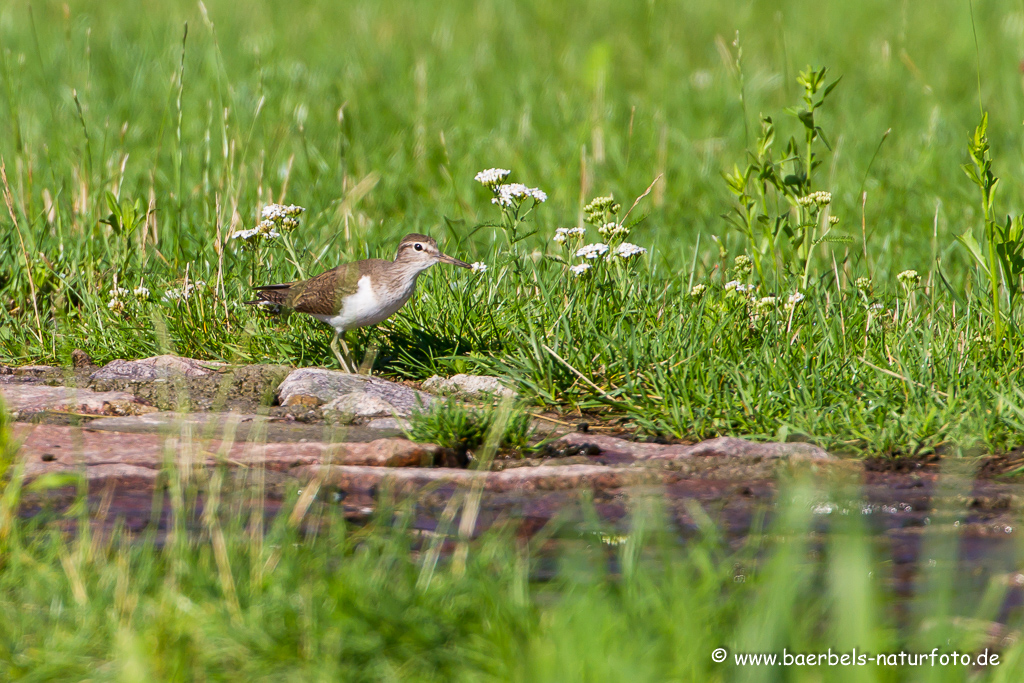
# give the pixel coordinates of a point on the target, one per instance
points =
(418, 247)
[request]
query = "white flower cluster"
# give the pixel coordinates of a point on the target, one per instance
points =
(863, 284)
(562, 234)
(246, 235)
(600, 209)
(492, 177)
(613, 229)
(626, 250)
(119, 295)
(739, 287)
(909, 278)
(277, 212)
(794, 300)
(816, 199)
(600, 212)
(478, 267)
(514, 193)
(743, 264)
(592, 251)
(184, 293)
(697, 291)
(276, 218)
(765, 304)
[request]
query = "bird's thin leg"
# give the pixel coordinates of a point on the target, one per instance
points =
(337, 353)
(348, 354)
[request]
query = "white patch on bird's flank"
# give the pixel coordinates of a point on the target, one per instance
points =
(368, 306)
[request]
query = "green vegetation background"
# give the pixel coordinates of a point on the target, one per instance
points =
(376, 115)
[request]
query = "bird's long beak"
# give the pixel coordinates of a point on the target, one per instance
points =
(445, 258)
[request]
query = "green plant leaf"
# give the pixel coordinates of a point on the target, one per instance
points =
(967, 239)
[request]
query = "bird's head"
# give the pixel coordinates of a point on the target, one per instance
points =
(421, 252)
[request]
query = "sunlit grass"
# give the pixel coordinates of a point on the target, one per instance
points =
(133, 153)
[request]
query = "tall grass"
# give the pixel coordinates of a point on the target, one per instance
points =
(379, 134)
(319, 599)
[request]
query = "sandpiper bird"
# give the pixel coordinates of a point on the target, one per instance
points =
(358, 294)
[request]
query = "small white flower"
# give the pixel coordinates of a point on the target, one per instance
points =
(579, 269)
(734, 285)
(625, 250)
(875, 307)
(794, 300)
(613, 229)
(115, 305)
(507, 195)
(479, 267)
(698, 291)
(909, 278)
(272, 212)
(118, 293)
(184, 293)
(563, 234)
(765, 303)
(492, 176)
(816, 198)
(592, 251)
(245, 235)
(279, 215)
(141, 292)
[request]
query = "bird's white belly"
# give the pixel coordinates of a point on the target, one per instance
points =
(366, 306)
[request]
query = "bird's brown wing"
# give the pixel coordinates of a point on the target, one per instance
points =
(323, 294)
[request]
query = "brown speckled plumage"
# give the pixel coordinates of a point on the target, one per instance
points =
(324, 293)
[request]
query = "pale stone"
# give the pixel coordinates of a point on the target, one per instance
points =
(718, 447)
(51, 448)
(349, 407)
(156, 367)
(26, 399)
(470, 386)
(316, 386)
(388, 423)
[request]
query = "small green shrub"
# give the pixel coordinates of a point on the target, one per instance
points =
(454, 425)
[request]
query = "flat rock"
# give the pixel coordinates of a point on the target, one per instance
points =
(50, 448)
(35, 372)
(23, 400)
(243, 427)
(722, 447)
(374, 397)
(388, 424)
(521, 480)
(349, 407)
(156, 367)
(469, 386)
